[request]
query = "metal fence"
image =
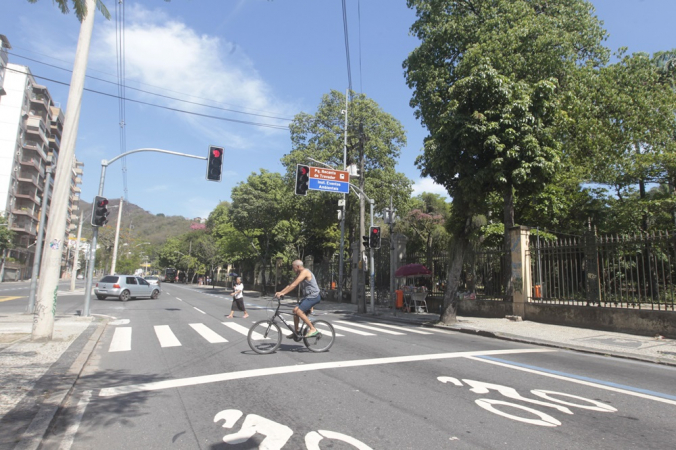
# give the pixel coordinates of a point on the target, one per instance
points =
(630, 271)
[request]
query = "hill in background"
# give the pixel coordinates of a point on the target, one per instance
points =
(137, 223)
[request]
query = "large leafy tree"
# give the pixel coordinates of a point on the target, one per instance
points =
(321, 136)
(258, 205)
(80, 7)
(488, 80)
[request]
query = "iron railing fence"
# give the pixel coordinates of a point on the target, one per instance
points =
(628, 271)
(481, 277)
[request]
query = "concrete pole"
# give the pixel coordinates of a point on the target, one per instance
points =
(361, 306)
(372, 268)
(77, 254)
(43, 322)
(39, 242)
(117, 237)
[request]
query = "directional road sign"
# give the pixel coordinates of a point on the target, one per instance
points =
(329, 180)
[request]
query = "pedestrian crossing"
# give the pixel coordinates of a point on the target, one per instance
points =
(233, 331)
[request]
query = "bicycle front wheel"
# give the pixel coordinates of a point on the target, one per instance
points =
(264, 337)
(323, 340)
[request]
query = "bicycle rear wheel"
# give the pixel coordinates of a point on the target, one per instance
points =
(323, 340)
(264, 337)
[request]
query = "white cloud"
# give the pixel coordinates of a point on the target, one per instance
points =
(167, 54)
(427, 185)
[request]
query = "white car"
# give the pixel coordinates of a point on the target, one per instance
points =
(154, 281)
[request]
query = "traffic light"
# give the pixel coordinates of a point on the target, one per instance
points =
(99, 211)
(302, 179)
(215, 163)
(374, 235)
(366, 241)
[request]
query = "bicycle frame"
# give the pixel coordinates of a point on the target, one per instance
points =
(276, 316)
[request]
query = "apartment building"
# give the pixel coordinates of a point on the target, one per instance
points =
(4, 46)
(30, 138)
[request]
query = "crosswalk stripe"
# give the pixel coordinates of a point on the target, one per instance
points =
(352, 330)
(410, 330)
(242, 330)
(166, 337)
(207, 333)
(287, 333)
(121, 340)
(380, 330)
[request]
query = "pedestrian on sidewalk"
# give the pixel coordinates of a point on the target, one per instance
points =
(238, 299)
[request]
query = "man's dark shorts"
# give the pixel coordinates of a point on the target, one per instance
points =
(308, 302)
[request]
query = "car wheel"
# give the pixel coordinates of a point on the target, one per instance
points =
(156, 294)
(100, 297)
(124, 296)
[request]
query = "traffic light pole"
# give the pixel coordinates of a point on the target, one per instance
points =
(95, 233)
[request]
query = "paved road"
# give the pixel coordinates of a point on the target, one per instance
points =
(14, 297)
(175, 373)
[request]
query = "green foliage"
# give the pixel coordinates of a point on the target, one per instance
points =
(80, 7)
(6, 235)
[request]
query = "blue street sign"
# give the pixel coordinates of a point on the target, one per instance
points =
(330, 185)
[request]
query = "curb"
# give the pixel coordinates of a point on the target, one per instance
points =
(41, 423)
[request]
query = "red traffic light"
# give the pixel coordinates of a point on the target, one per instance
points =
(303, 170)
(102, 202)
(375, 231)
(216, 152)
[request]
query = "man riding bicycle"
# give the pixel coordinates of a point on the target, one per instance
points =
(309, 291)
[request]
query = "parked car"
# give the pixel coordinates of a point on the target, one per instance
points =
(125, 287)
(153, 280)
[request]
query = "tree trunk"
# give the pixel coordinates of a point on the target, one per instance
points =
(508, 210)
(460, 246)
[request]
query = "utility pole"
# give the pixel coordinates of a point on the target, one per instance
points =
(76, 257)
(341, 263)
(43, 323)
(361, 307)
(39, 242)
(117, 237)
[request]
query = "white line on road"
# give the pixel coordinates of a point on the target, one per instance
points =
(121, 340)
(199, 310)
(71, 431)
(166, 337)
(379, 330)
(243, 330)
(192, 381)
(207, 333)
(574, 380)
(352, 330)
(408, 330)
(179, 299)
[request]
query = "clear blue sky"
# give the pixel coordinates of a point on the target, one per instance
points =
(270, 58)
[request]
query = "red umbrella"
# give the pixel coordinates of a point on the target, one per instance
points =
(412, 270)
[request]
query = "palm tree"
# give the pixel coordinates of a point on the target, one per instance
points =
(80, 7)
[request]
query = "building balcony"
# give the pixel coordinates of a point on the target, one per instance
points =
(74, 218)
(35, 125)
(78, 180)
(28, 195)
(27, 212)
(40, 99)
(29, 228)
(37, 147)
(78, 171)
(55, 140)
(76, 189)
(35, 163)
(28, 178)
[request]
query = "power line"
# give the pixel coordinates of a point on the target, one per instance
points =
(258, 124)
(121, 81)
(347, 48)
(156, 94)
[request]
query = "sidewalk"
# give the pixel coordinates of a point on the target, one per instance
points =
(37, 376)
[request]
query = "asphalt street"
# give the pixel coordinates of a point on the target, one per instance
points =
(176, 373)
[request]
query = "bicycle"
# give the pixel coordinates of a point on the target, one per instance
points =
(265, 336)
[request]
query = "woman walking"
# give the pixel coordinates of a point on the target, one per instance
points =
(238, 298)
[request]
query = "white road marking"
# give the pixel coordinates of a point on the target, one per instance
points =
(119, 322)
(121, 340)
(166, 336)
(199, 310)
(243, 330)
(379, 330)
(352, 330)
(71, 431)
(207, 333)
(193, 381)
(573, 380)
(408, 330)
(179, 299)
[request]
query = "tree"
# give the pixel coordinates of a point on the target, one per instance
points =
(321, 136)
(488, 80)
(257, 207)
(425, 225)
(6, 235)
(80, 7)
